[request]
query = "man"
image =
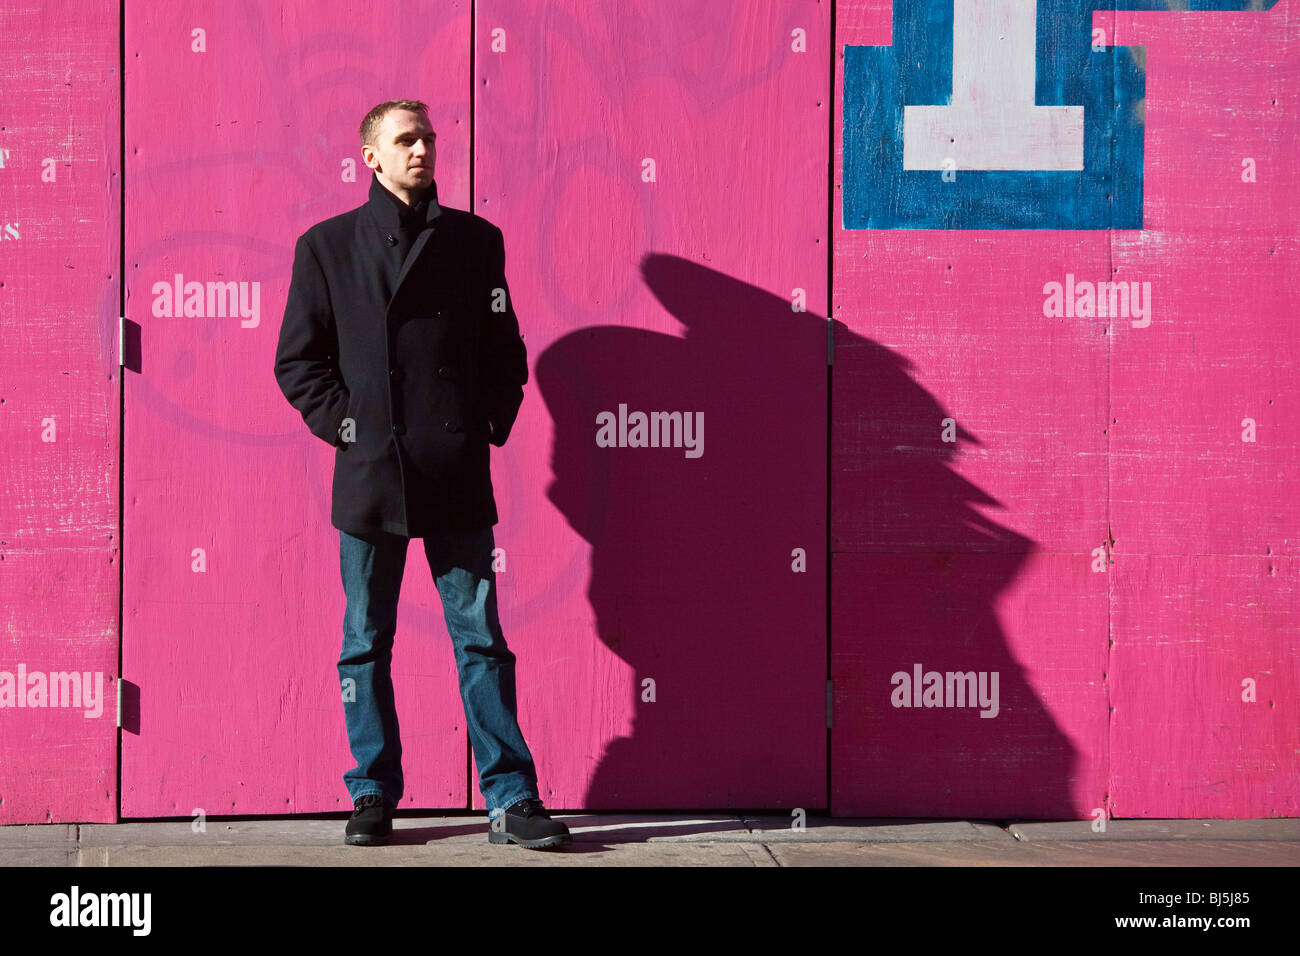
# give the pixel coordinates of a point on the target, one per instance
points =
(401, 348)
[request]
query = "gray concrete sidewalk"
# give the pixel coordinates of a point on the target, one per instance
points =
(664, 840)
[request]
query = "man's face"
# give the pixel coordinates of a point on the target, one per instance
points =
(402, 155)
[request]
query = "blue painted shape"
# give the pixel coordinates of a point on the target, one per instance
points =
(917, 70)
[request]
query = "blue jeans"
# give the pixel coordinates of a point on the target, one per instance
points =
(461, 564)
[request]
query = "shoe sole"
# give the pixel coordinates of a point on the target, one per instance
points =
(544, 843)
(366, 839)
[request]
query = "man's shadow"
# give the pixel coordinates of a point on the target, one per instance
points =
(692, 581)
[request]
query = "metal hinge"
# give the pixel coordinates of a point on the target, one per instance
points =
(830, 341)
(121, 338)
(119, 703)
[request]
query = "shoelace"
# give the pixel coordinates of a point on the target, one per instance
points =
(532, 807)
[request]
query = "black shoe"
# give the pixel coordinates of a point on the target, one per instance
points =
(371, 823)
(528, 824)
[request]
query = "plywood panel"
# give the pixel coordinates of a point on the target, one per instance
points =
(59, 282)
(659, 171)
(1205, 443)
(239, 138)
(1106, 444)
(968, 475)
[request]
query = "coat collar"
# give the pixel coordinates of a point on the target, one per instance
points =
(391, 212)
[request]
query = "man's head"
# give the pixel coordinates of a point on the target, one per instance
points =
(397, 142)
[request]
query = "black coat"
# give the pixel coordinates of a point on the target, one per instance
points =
(430, 375)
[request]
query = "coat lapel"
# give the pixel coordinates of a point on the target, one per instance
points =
(381, 209)
(421, 241)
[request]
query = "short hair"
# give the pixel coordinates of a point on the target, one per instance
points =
(370, 125)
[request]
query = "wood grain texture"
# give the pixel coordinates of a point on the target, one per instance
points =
(1206, 578)
(1079, 432)
(233, 153)
(637, 564)
(1099, 534)
(59, 269)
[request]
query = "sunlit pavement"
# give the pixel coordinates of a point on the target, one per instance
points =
(663, 840)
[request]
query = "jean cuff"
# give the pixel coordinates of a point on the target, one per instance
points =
(526, 795)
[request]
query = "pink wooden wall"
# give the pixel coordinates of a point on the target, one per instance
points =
(700, 288)
(1206, 593)
(60, 184)
(621, 564)
(232, 153)
(1121, 679)
(674, 294)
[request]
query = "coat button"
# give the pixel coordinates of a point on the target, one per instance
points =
(451, 426)
(446, 372)
(399, 429)
(395, 374)
(392, 240)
